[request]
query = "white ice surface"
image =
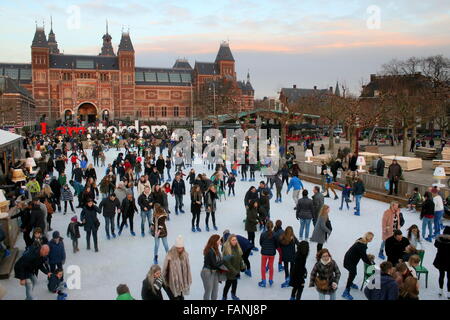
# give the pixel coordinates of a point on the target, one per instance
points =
(127, 259)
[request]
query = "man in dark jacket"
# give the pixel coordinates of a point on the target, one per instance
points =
(358, 192)
(351, 259)
(335, 167)
(109, 206)
(28, 266)
(145, 201)
(380, 167)
(77, 174)
(388, 289)
(394, 174)
(318, 202)
(37, 216)
(263, 187)
(160, 165)
(128, 209)
(395, 246)
(304, 213)
(179, 190)
(91, 223)
(154, 177)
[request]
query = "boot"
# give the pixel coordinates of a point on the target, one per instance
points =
(133, 234)
(280, 267)
(248, 273)
(292, 298)
(255, 249)
(182, 211)
(113, 235)
(224, 298)
(193, 229)
(327, 196)
(234, 297)
(346, 295)
(215, 228)
(108, 237)
(336, 197)
(441, 292)
(155, 260)
(198, 229)
(276, 200)
(354, 286)
(285, 284)
(96, 249)
(381, 255)
(61, 296)
(207, 228)
(143, 234)
(270, 282)
(176, 211)
(262, 284)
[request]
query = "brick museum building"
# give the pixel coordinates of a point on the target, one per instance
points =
(110, 86)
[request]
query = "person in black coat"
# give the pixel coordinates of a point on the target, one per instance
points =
(56, 189)
(152, 285)
(351, 259)
(352, 162)
(109, 206)
(179, 190)
(37, 216)
(154, 177)
(380, 167)
(251, 195)
(128, 209)
(395, 247)
(442, 259)
(299, 272)
(77, 174)
(28, 266)
(25, 217)
(90, 222)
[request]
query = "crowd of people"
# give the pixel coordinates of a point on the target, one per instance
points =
(134, 184)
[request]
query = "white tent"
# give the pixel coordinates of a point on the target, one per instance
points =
(7, 137)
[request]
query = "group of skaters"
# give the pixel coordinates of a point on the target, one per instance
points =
(134, 184)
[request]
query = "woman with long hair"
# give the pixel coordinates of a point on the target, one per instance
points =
(268, 243)
(159, 229)
(152, 285)
(409, 290)
(322, 229)
(414, 237)
(196, 205)
(298, 271)
(211, 267)
(90, 172)
(232, 254)
(210, 206)
(287, 243)
(325, 275)
(46, 198)
(251, 221)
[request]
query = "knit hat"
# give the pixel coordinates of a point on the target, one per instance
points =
(179, 243)
(74, 219)
(226, 231)
(55, 235)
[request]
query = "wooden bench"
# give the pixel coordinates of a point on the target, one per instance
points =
(426, 153)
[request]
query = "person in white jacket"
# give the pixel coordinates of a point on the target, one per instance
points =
(438, 210)
(143, 182)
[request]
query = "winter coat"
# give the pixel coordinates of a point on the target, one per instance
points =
(144, 201)
(90, 173)
(195, 207)
(178, 187)
(427, 209)
(141, 186)
(66, 194)
(442, 259)
(60, 165)
(380, 167)
(268, 244)
(128, 208)
(388, 289)
(212, 261)
(73, 230)
(356, 252)
(243, 242)
(148, 294)
(305, 208)
(234, 263)
(288, 250)
(210, 201)
(57, 252)
(160, 164)
(177, 272)
(161, 198)
(358, 188)
(30, 263)
(318, 202)
(387, 223)
(24, 215)
(56, 188)
(394, 172)
(109, 207)
(125, 296)
(154, 178)
(329, 272)
(89, 214)
(295, 183)
(321, 231)
(298, 271)
(252, 219)
(395, 249)
(53, 283)
(265, 189)
(249, 196)
(159, 223)
(37, 218)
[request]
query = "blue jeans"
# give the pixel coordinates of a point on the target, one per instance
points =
(109, 221)
(332, 296)
(146, 215)
(304, 226)
(358, 201)
(165, 244)
(346, 202)
(29, 287)
(427, 222)
(437, 221)
(382, 246)
(178, 202)
(168, 174)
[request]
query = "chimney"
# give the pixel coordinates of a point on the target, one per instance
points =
(331, 89)
(315, 87)
(294, 86)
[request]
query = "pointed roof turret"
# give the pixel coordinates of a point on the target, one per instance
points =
(182, 64)
(52, 43)
(107, 48)
(337, 92)
(125, 42)
(224, 53)
(39, 40)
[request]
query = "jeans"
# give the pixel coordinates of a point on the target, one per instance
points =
(295, 196)
(109, 221)
(427, 222)
(178, 202)
(29, 287)
(393, 183)
(346, 202)
(351, 277)
(168, 174)
(88, 237)
(210, 280)
(382, 246)
(304, 226)
(358, 202)
(332, 296)
(231, 188)
(213, 217)
(437, 221)
(264, 261)
(146, 215)
(104, 195)
(165, 244)
(71, 206)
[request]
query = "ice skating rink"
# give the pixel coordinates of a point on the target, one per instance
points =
(127, 259)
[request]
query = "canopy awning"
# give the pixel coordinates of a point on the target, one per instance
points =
(7, 138)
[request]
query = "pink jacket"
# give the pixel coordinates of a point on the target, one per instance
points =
(387, 224)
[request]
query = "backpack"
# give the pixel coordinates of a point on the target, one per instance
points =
(50, 209)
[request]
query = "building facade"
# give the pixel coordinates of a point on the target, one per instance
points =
(110, 86)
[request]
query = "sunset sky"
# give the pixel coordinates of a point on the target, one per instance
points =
(282, 43)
